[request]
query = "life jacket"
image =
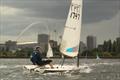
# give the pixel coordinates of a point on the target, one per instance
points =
(36, 56)
(33, 56)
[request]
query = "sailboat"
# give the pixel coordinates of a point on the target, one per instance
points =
(70, 39)
(49, 52)
(97, 57)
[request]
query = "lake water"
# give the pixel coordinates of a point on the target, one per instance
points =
(91, 69)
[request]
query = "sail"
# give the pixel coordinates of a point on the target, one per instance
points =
(97, 57)
(50, 52)
(71, 36)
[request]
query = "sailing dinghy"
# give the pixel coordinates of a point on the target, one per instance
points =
(70, 40)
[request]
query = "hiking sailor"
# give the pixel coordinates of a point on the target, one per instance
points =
(37, 59)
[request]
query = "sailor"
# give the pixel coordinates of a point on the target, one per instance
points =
(37, 59)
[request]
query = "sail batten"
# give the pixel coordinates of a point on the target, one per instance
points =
(71, 36)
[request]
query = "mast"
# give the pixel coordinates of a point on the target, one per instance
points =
(78, 56)
(78, 60)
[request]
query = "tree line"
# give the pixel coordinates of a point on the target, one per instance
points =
(108, 49)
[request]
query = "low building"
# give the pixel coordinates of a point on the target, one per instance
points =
(2, 47)
(11, 45)
(28, 45)
(100, 47)
(82, 47)
(53, 43)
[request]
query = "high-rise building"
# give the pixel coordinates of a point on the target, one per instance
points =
(43, 38)
(43, 41)
(91, 42)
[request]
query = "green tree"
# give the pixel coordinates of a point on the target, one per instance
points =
(105, 46)
(118, 45)
(109, 44)
(114, 46)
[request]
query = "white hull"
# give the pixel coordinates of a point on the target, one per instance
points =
(47, 69)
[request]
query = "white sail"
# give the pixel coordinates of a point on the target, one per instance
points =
(71, 36)
(49, 52)
(97, 57)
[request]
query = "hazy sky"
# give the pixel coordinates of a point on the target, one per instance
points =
(101, 18)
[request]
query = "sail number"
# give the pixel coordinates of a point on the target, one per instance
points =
(75, 11)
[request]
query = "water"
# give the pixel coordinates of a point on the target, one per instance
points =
(91, 69)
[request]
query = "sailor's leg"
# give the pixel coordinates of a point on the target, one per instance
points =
(48, 62)
(33, 61)
(51, 65)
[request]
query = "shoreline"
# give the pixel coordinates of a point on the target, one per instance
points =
(60, 57)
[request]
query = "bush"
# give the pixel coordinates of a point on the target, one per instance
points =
(106, 54)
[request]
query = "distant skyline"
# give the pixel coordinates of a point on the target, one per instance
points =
(101, 18)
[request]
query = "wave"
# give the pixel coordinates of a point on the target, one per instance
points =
(10, 66)
(100, 63)
(3, 66)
